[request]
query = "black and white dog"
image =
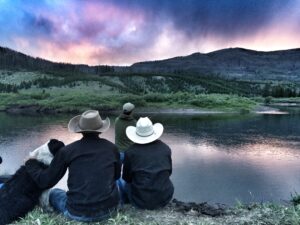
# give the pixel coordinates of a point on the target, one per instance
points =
(20, 194)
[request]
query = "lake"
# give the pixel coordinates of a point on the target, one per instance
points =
(219, 158)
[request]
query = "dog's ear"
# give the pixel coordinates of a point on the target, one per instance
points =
(54, 145)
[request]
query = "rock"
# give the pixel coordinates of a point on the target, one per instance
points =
(201, 208)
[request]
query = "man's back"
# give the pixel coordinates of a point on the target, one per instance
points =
(121, 123)
(147, 168)
(93, 165)
(93, 168)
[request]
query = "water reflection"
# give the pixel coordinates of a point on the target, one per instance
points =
(216, 158)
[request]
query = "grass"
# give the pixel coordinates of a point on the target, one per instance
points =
(266, 213)
(78, 101)
(66, 92)
(286, 100)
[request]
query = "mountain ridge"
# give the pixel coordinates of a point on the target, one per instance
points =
(232, 63)
(229, 63)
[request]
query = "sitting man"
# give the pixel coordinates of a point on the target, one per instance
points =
(147, 166)
(124, 120)
(94, 166)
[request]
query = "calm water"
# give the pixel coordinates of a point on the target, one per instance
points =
(216, 158)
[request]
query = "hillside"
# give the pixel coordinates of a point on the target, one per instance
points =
(228, 71)
(232, 63)
(10, 59)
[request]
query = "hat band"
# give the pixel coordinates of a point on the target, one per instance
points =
(90, 124)
(145, 134)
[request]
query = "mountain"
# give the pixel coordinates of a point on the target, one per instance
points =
(231, 63)
(10, 59)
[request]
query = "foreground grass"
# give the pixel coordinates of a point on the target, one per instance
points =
(266, 213)
(70, 101)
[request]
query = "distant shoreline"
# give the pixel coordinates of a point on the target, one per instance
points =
(36, 109)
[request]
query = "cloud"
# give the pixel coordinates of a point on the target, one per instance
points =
(127, 31)
(222, 17)
(35, 25)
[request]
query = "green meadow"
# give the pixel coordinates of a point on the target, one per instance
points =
(65, 92)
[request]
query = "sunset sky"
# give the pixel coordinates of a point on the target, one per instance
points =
(121, 32)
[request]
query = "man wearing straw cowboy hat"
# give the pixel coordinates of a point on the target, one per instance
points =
(147, 166)
(94, 166)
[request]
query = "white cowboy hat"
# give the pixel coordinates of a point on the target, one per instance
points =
(144, 132)
(90, 121)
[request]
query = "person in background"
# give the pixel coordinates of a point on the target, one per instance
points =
(124, 120)
(94, 166)
(147, 166)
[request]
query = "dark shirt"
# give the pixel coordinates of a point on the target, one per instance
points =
(94, 166)
(148, 168)
(121, 123)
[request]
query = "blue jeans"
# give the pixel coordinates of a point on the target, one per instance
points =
(122, 157)
(58, 199)
(124, 191)
(1, 185)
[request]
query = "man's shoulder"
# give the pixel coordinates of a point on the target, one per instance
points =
(72, 144)
(107, 143)
(132, 148)
(163, 144)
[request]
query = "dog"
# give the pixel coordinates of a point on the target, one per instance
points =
(20, 194)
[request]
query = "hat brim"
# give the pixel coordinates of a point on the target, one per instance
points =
(134, 137)
(73, 126)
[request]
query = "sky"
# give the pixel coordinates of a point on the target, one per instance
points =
(122, 32)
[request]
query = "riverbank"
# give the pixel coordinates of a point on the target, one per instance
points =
(74, 103)
(266, 213)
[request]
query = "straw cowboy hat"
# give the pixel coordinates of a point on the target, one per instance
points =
(144, 132)
(89, 122)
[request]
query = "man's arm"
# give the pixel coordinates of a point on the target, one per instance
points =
(127, 169)
(118, 165)
(171, 167)
(170, 159)
(47, 177)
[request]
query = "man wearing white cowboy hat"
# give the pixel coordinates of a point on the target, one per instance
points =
(147, 166)
(94, 166)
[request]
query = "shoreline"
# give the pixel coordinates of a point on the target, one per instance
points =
(36, 109)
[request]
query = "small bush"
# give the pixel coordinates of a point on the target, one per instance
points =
(156, 98)
(40, 96)
(295, 199)
(268, 100)
(134, 99)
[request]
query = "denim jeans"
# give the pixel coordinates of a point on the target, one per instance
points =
(58, 199)
(1, 185)
(122, 156)
(124, 191)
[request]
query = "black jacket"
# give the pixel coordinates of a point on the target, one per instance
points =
(148, 168)
(94, 166)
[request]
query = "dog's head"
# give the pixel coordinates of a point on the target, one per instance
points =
(47, 151)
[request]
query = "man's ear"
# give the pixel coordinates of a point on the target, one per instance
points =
(55, 145)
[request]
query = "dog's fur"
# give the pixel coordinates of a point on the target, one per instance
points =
(20, 194)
